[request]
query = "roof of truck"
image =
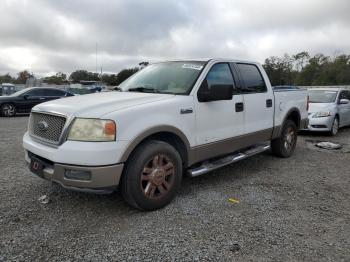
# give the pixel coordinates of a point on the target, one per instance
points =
(210, 59)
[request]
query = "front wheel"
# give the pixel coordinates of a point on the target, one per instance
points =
(284, 145)
(335, 127)
(8, 110)
(152, 176)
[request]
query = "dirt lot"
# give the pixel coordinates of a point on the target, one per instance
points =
(290, 209)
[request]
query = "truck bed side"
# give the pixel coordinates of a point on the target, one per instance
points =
(287, 101)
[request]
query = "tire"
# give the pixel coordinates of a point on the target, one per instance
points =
(335, 127)
(284, 145)
(152, 176)
(8, 110)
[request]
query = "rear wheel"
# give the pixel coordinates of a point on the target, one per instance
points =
(335, 127)
(8, 110)
(284, 145)
(152, 176)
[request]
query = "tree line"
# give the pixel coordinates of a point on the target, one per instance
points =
(302, 69)
(298, 69)
(75, 77)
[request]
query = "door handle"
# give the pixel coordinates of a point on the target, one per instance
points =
(42, 98)
(239, 107)
(269, 103)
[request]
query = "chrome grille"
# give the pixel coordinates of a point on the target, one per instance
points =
(46, 127)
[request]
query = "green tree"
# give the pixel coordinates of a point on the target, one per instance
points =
(80, 75)
(7, 78)
(110, 80)
(57, 79)
(125, 74)
(280, 70)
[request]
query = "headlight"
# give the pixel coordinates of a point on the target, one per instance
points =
(92, 130)
(322, 114)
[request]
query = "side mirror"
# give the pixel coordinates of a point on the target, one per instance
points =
(25, 97)
(208, 93)
(344, 101)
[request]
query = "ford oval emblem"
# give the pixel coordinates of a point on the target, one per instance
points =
(43, 126)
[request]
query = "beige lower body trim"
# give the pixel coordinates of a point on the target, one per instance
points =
(102, 177)
(223, 147)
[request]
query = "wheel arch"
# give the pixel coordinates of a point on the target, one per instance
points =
(168, 134)
(294, 115)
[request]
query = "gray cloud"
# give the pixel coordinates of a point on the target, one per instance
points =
(50, 36)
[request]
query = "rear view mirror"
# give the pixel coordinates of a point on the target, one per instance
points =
(207, 93)
(344, 101)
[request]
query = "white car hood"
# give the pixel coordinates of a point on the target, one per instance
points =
(98, 104)
(320, 107)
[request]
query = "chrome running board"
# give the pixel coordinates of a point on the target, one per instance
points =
(211, 165)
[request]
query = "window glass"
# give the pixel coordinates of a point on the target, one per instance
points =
(220, 74)
(35, 92)
(322, 96)
(344, 95)
(54, 92)
(254, 82)
(166, 77)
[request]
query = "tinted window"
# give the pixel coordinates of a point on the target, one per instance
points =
(220, 74)
(253, 80)
(36, 92)
(344, 95)
(54, 92)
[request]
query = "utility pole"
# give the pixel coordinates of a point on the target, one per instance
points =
(96, 59)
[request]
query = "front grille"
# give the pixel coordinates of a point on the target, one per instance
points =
(46, 127)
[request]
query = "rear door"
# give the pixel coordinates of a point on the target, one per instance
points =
(258, 102)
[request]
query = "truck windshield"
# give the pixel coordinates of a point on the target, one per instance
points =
(166, 77)
(322, 96)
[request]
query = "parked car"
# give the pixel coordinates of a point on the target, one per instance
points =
(170, 118)
(7, 89)
(23, 100)
(329, 109)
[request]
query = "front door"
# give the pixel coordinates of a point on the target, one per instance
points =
(344, 109)
(218, 121)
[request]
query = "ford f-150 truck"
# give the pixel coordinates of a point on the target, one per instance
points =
(170, 118)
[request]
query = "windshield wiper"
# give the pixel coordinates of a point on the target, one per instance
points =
(144, 89)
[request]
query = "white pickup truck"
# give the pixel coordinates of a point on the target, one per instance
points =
(169, 119)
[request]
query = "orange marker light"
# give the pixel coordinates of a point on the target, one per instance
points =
(110, 128)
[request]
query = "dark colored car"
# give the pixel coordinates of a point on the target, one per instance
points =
(23, 101)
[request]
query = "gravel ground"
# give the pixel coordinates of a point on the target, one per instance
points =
(294, 209)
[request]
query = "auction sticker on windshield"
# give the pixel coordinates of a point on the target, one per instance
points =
(192, 66)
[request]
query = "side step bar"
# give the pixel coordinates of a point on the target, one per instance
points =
(209, 166)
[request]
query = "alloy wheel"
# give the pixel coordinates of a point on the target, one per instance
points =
(157, 176)
(335, 126)
(289, 139)
(8, 110)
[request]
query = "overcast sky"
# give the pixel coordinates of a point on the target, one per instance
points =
(61, 35)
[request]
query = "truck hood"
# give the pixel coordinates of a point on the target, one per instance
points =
(318, 107)
(98, 104)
